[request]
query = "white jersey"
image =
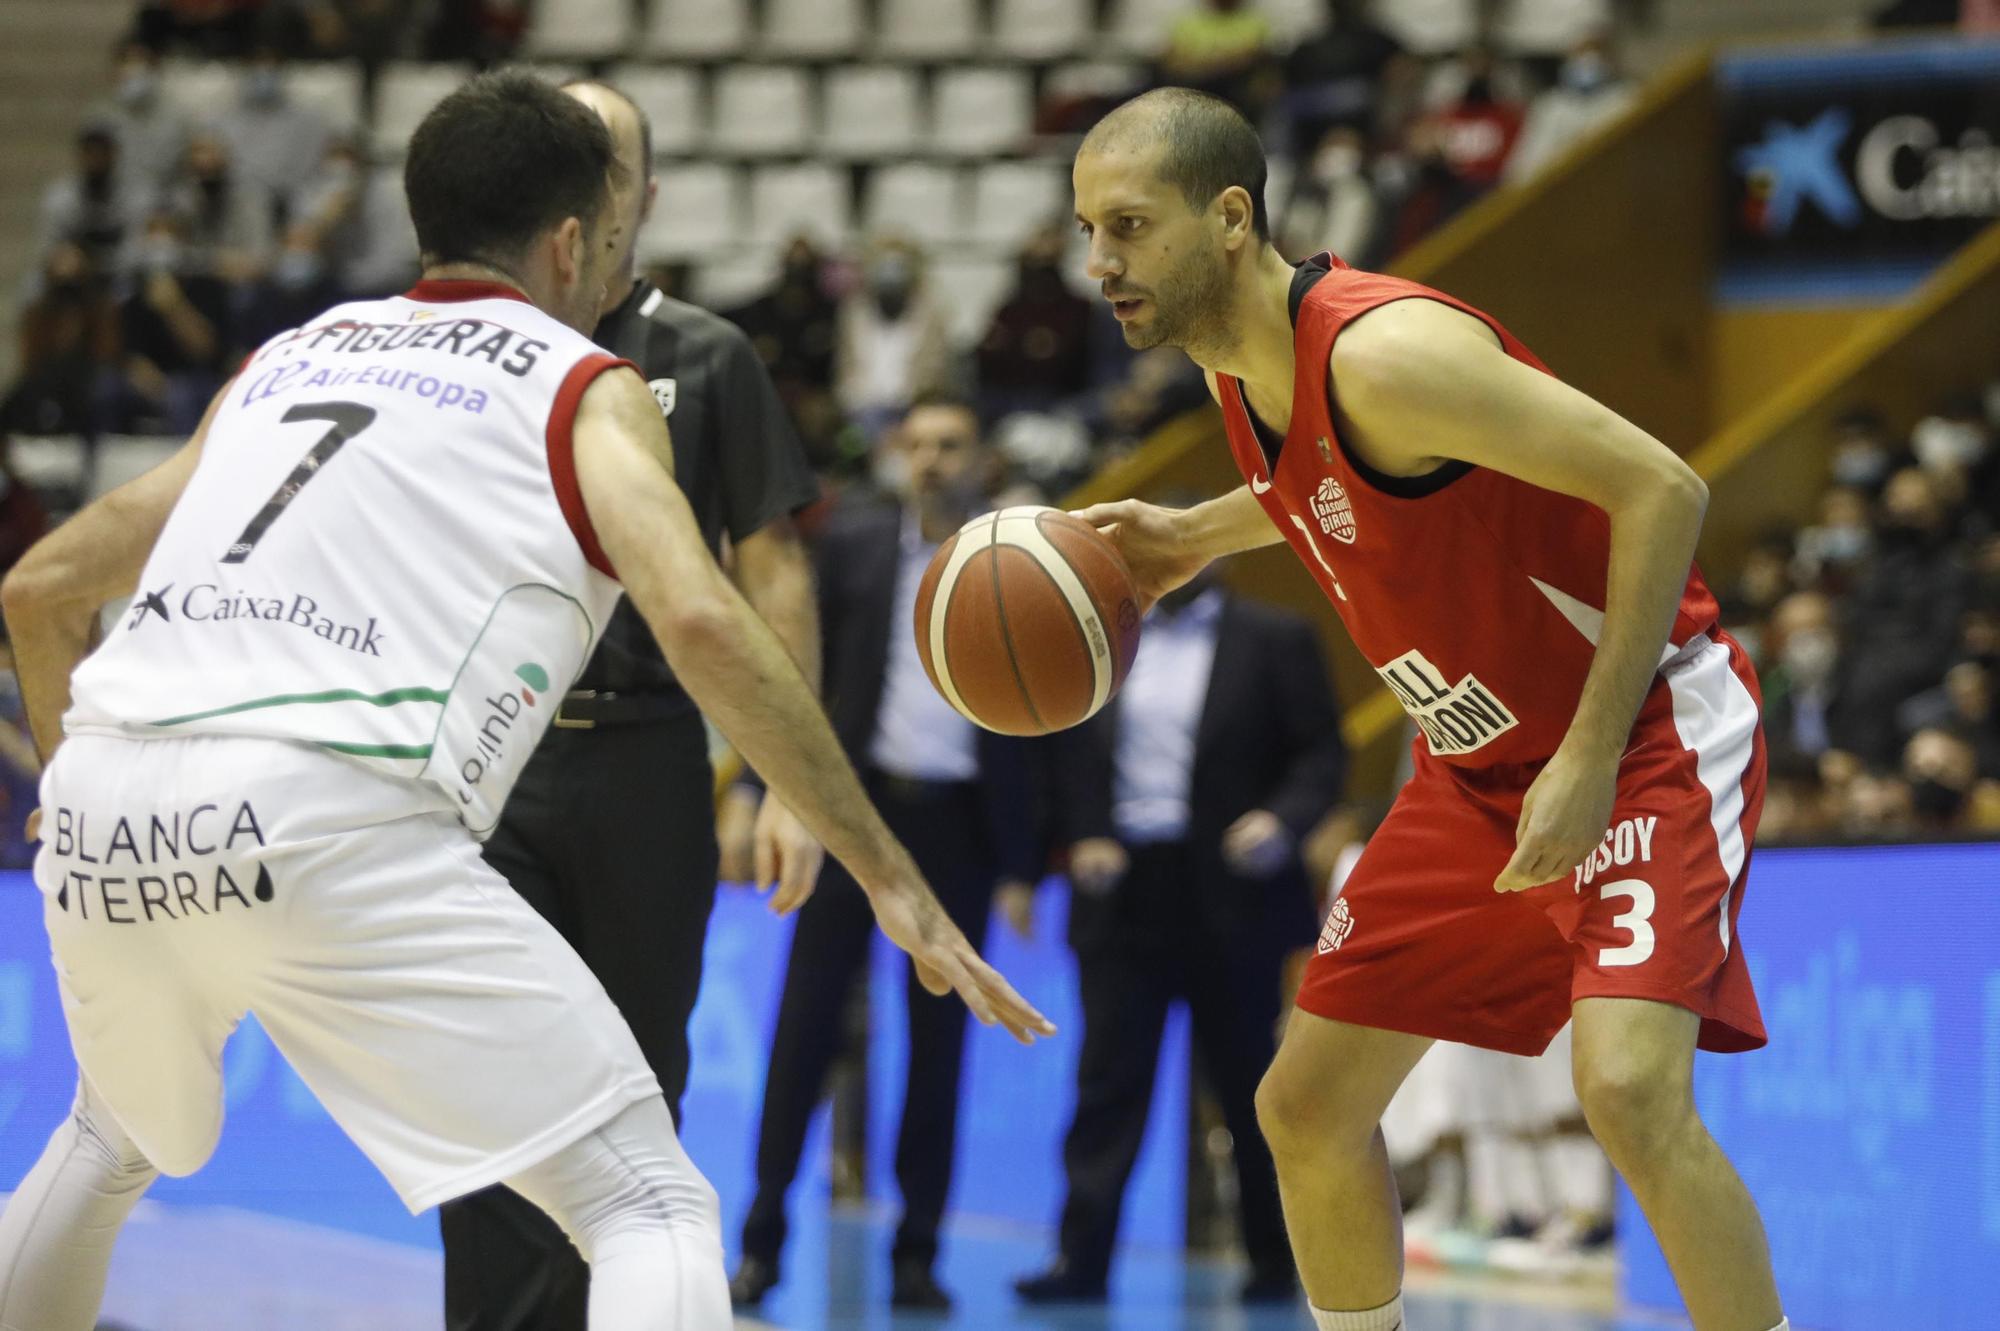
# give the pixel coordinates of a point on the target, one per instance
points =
(382, 552)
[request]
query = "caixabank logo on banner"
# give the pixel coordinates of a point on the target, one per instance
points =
(1884, 154)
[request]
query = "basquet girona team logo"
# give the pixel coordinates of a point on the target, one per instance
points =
(1335, 513)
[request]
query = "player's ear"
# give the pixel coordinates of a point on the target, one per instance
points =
(569, 242)
(652, 196)
(1238, 217)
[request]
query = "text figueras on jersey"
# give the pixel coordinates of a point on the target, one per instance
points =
(503, 348)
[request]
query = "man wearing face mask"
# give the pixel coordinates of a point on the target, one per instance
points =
(151, 134)
(275, 142)
(894, 344)
(1037, 350)
(1334, 205)
(610, 833)
(229, 219)
(97, 206)
(1186, 799)
(1902, 615)
(1589, 91)
(1799, 693)
(957, 796)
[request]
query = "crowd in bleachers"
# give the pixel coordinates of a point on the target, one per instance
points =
(1877, 632)
(877, 188)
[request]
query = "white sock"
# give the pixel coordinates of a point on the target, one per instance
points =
(1785, 1325)
(57, 1233)
(1388, 1317)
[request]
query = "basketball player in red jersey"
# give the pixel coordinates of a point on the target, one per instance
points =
(1517, 563)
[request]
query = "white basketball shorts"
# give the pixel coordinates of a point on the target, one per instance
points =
(447, 1027)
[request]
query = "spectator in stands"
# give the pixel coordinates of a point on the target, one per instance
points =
(213, 29)
(1334, 204)
(152, 135)
(361, 225)
(1037, 350)
(1332, 76)
(1900, 642)
(1962, 704)
(1461, 149)
(894, 342)
(1955, 448)
(299, 285)
(175, 328)
(370, 31)
(68, 342)
(794, 327)
(1940, 767)
(97, 206)
(1830, 553)
(1801, 677)
(1588, 92)
(276, 144)
(1222, 47)
(20, 770)
(227, 220)
(1764, 580)
(1863, 453)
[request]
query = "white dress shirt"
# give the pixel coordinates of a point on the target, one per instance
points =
(1159, 712)
(917, 734)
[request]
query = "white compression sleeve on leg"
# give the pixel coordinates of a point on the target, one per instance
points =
(1785, 1325)
(643, 1217)
(57, 1233)
(1388, 1317)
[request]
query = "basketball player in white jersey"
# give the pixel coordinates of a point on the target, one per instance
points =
(357, 595)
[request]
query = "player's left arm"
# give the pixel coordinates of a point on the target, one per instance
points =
(1420, 383)
(52, 596)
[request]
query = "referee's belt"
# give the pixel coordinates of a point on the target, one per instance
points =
(587, 709)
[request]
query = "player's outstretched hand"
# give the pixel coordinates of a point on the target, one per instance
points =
(1563, 817)
(786, 854)
(947, 963)
(1151, 540)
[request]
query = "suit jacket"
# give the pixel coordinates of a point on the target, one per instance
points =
(857, 557)
(1268, 738)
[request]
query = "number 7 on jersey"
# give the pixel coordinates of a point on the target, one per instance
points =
(346, 419)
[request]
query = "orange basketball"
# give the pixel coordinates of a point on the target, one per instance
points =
(1027, 620)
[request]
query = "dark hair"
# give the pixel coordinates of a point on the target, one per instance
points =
(1208, 146)
(638, 113)
(500, 161)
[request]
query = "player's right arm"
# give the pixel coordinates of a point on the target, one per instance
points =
(52, 596)
(740, 673)
(1165, 547)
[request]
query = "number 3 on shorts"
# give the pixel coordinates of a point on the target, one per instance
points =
(1637, 921)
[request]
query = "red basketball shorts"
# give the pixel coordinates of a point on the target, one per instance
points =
(1420, 942)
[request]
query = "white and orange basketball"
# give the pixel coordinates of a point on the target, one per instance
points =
(1027, 620)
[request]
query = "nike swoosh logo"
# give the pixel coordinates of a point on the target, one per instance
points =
(1258, 485)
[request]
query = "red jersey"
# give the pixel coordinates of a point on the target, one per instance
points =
(1477, 596)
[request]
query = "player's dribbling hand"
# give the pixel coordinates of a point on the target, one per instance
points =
(1257, 845)
(1149, 537)
(1096, 864)
(945, 962)
(784, 852)
(1563, 817)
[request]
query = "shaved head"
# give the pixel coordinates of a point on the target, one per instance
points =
(1203, 146)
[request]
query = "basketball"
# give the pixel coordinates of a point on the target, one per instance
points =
(1027, 620)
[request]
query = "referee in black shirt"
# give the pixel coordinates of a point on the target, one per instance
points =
(610, 832)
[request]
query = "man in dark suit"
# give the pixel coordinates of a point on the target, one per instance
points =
(958, 797)
(1188, 797)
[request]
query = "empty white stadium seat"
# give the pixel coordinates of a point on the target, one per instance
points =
(1141, 27)
(700, 209)
(122, 458)
(726, 279)
(405, 95)
(1430, 27)
(49, 462)
(978, 111)
(1012, 199)
(198, 89)
(920, 200)
(871, 111)
(929, 29)
(671, 97)
(812, 28)
(698, 29)
(762, 110)
(332, 88)
(1294, 20)
(1095, 78)
(588, 28)
(807, 197)
(973, 287)
(1040, 29)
